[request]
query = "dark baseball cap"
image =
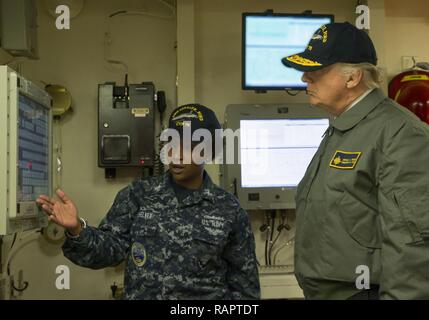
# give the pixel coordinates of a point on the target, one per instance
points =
(195, 115)
(333, 43)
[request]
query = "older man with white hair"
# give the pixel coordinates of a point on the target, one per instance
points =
(363, 204)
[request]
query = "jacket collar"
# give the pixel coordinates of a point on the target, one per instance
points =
(352, 117)
(206, 191)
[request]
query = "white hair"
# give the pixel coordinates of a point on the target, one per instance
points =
(372, 75)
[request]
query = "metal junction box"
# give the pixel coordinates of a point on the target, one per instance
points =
(126, 127)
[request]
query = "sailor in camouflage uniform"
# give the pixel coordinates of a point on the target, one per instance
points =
(182, 236)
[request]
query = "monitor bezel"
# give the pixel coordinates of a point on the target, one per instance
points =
(10, 220)
(244, 86)
(270, 197)
(32, 92)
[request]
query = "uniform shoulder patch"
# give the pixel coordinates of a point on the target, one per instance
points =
(345, 160)
(138, 253)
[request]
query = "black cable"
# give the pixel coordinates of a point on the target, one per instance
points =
(117, 12)
(114, 288)
(280, 228)
(289, 92)
(161, 105)
(283, 226)
(266, 250)
(265, 227)
(14, 239)
(159, 166)
(161, 120)
(286, 224)
(10, 259)
(273, 222)
(161, 144)
(273, 243)
(24, 287)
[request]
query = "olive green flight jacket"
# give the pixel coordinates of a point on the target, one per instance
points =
(363, 204)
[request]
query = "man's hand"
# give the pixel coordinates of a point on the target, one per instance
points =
(63, 211)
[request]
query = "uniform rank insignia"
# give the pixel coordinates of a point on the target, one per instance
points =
(138, 253)
(344, 159)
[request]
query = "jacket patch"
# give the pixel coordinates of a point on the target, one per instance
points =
(344, 160)
(138, 253)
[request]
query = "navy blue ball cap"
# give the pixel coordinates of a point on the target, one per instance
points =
(333, 43)
(195, 115)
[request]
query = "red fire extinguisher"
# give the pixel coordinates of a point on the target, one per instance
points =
(411, 90)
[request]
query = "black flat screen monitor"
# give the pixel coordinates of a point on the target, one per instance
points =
(267, 38)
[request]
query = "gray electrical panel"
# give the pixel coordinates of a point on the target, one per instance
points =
(126, 127)
(18, 27)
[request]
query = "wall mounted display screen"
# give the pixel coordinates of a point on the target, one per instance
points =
(277, 152)
(267, 38)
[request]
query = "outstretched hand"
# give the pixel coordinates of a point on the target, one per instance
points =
(62, 211)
